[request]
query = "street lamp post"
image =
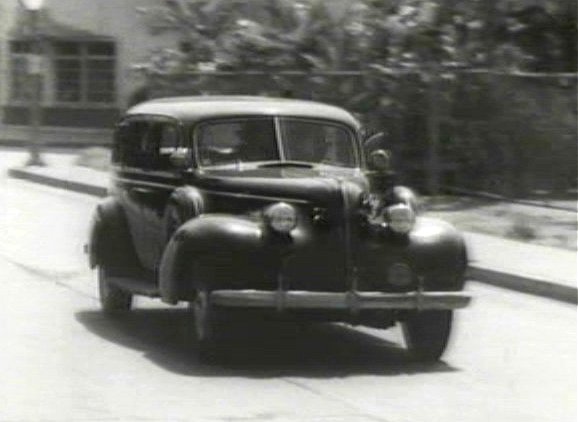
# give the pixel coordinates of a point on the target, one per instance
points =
(34, 70)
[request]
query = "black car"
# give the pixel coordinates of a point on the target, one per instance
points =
(274, 207)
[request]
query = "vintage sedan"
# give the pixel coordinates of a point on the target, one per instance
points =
(270, 207)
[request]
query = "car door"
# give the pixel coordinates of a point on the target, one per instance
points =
(147, 179)
(131, 157)
(164, 138)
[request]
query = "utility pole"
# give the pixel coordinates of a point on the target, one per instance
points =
(34, 70)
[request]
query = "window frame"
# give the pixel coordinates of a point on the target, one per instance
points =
(195, 133)
(84, 58)
(19, 78)
(280, 142)
(355, 151)
(50, 90)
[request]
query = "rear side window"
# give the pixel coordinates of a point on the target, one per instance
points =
(129, 142)
(146, 144)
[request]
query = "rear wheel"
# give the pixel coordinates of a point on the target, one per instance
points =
(113, 300)
(427, 333)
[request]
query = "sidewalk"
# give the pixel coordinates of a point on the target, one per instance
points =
(539, 270)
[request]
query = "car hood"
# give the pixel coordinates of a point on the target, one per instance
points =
(318, 183)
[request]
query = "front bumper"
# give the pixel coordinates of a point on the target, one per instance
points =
(351, 300)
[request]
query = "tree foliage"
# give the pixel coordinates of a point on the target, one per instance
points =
(404, 55)
(307, 35)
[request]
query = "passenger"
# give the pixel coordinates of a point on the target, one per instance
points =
(258, 141)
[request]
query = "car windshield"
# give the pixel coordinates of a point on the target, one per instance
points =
(281, 139)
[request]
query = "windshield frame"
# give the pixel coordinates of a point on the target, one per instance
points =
(280, 142)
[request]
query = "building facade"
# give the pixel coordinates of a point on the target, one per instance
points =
(83, 52)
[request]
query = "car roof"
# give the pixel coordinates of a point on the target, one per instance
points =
(195, 108)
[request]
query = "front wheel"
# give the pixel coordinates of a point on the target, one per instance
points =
(427, 333)
(113, 300)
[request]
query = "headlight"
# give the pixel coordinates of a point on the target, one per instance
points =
(400, 218)
(282, 217)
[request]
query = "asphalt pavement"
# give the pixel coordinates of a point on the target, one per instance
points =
(538, 270)
(85, 367)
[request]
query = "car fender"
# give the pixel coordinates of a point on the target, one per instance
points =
(212, 249)
(438, 253)
(184, 204)
(189, 202)
(110, 242)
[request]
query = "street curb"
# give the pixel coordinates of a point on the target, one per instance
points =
(68, 144)
(525, 284)
(58, 183)
(496, 197)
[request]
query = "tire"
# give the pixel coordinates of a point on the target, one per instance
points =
(113, 300)
(204, 326)
(427, 333)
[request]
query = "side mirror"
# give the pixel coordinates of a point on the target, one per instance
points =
(179, 158)
(377, 154)
(380, 160)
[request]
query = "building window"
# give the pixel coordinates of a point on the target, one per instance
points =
(84, 72)
(20, 51)
(79, 72)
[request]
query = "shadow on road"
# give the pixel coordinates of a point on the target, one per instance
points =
(258, 350)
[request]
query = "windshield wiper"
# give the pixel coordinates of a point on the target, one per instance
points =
(277, 164)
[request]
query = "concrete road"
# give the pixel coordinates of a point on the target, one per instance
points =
(513, 356)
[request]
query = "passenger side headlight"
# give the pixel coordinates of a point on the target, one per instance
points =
(281, 217)
(400, 218)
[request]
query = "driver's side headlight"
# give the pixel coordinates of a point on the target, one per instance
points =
(281, 217)
(400, 218)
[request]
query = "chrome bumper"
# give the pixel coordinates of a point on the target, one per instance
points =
(352, 300)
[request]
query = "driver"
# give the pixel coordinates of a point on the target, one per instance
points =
(307, 143)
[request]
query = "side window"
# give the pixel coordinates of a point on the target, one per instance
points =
(146, 144)
(129, 148)
(168, 143)
(119, 142)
